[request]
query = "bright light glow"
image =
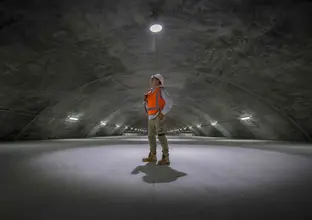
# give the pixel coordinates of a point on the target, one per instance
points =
(184, 129)
(245, 118)
(214, 123)
(190, 127)
(117, 126)
(73, 118)
(103, 123)
(155, 28)
(199, 126)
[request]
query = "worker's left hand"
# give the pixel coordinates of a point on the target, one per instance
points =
(145, 97)
(161, 116)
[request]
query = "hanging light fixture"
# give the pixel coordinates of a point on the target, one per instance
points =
(156, 10)
(155, 28)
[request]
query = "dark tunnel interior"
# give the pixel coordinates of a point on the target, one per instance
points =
(84, 132)
(234, 68)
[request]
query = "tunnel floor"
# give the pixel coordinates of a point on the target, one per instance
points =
(105, 179)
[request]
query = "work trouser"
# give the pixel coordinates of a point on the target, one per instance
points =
(157, 127)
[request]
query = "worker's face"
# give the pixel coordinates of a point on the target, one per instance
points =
(154, 83)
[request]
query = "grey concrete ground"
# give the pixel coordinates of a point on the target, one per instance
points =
(105, 179)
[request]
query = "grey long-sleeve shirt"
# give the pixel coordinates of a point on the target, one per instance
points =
(168, 103)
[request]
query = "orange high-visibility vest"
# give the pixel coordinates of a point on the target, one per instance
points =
(155, 102)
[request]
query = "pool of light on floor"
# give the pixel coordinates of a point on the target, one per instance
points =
(145, 139)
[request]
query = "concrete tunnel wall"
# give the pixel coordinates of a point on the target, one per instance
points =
(220, 59)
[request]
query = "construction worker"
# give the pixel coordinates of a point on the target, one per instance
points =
(157, 104)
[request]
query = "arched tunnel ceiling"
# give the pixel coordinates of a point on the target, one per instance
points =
(221, 59)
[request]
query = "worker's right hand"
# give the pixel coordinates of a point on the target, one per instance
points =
(161, 116)
(145, 97)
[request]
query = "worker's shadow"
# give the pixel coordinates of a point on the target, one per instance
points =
(158, 174)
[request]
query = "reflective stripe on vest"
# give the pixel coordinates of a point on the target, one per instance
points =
(155, 102)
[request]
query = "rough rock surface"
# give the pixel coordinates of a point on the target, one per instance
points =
(221, 59)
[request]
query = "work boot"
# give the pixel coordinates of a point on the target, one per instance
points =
(151, 158)
(164, 161)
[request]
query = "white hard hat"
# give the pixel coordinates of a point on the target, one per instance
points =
(159, 77)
